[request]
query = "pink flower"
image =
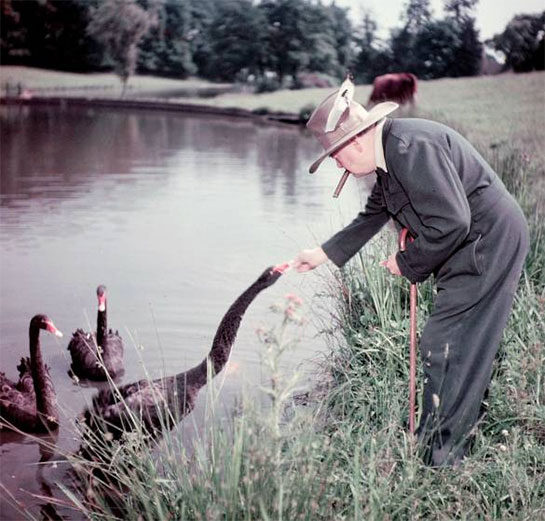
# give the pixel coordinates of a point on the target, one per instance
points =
(292, 297)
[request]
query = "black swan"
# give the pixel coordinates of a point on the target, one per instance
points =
(30, 405)
(161, 403)
(96, 356)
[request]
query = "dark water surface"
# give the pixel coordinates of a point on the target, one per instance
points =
(176, 215)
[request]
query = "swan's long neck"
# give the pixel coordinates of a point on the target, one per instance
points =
(102, 326)
(46, 406)
(223, 341)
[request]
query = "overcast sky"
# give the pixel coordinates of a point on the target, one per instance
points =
(492, 15)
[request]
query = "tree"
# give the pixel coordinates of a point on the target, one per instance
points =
(522, 42)
(460, 10)
(343, 33)
(166, 49)
(48, 34)
(468, 56)
(202, 17)
(288, 38)
(402, 41)
(120, 25)
(417, 14)
(370, 60)
(436, 45)
(402, 48)
(236, 39)
(325, 28)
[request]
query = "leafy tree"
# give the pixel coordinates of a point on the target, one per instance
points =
(236, 40)
(48, 34)
(166, 49)
(402, 41)
(120, 25)
(202, 17)
(288, 39)
(323, 36)
(436, 46)
(468, 55)
(522, 42)
(343, 33)
(370, 61)
(402, 48)
(417, 14)
(460, 10)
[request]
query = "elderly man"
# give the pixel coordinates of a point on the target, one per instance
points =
(469, 233)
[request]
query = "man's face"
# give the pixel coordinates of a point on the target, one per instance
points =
(358, 155)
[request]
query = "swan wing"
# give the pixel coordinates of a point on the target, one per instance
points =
(16, 408)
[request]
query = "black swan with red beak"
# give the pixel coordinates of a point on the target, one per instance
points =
(30, 405)
(94, 356)
(160, 404)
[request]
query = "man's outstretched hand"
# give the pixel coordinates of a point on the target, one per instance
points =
(309, 259)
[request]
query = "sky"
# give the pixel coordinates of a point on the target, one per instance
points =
(491, 15)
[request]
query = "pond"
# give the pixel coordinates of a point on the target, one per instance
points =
(176, 215)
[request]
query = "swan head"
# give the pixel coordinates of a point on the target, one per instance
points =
(270, 276)
(44, 322)
(101, 296)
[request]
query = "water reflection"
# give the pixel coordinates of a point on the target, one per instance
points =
(81, 144)
(176, 215)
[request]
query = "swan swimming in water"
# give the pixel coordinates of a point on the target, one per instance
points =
(30, 405)
(94, 356)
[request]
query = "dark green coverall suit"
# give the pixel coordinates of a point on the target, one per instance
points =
(472, 236)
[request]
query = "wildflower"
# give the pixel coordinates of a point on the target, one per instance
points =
(503, 448)
(436, 400)
(293, 298)
(505, 432)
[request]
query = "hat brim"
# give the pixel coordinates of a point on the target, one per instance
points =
(375, 114)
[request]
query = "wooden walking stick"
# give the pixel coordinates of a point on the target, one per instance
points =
(412, 349)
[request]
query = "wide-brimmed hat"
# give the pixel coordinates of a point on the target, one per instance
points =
(339, 118)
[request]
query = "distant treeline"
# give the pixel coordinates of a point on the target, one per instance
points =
(270, 43)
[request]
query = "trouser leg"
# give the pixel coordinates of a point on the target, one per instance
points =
(458, 354)
(462, 337)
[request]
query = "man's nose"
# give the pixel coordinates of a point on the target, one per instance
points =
(339, 164)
